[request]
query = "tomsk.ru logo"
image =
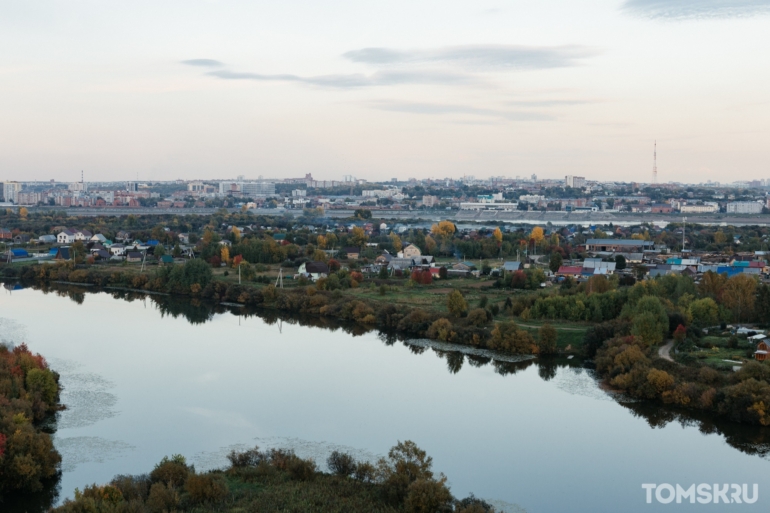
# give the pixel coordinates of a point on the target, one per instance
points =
(702, 493)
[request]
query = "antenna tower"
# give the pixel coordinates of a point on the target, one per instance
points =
(655, 163)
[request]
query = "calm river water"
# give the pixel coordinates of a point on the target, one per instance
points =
(141, 384)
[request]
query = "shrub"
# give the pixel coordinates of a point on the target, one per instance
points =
(172, 472)
(206, 488)
(132, 487)
(162, 499)
(478, 317)
(302, 470)
(427, 496)
(441, 330)
(248, 458)
(341, 464)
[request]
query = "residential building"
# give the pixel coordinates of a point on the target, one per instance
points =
(744, 207)
(619, 245)
(255, 189)
(11, 190)
(576, 182)
(66, 237)
(410, 251)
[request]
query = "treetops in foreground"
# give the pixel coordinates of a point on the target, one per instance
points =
(279, 480)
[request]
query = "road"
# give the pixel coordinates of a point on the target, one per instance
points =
(664, 351)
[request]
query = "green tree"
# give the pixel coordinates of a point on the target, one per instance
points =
(456, 303)
(556, 261)
(620, 262)
(546, 339)
(738, 296)
(704, 312)
(159, 251)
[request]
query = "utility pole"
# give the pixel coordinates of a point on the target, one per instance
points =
(684, 228)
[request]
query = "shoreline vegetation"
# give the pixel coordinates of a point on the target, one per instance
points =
(279, 480)
(629, 322)
(29, 396)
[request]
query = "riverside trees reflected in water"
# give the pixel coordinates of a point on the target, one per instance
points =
(749, 439)
(188, 379)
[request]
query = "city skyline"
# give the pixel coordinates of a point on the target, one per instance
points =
(216, 89)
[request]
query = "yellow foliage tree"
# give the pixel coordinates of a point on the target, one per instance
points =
(497, 235)
(225, 254)
(23, 212)
(237, 234)
(358, 236)
(537, 234)
(321, 241)
(396, 241)
(443, 229)
(430, 244)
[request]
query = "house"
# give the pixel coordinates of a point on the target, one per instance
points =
(83, 235)
(21, 238)
(123, 236)
(410, 251)
(167, 259)
(384, 258)
(134, 256)
(117, 249)
(352, 253)
(19, 253)
(62, 254)
(5, 234)
(619, 245)
(314, 270)
(400, 264)
(47, 239)
(101, 254)
(66, 237)
(510, 267)
(99, 238)
(599, 266)
(569, 270)
(184, 238)
(763, 349)
(464, 266)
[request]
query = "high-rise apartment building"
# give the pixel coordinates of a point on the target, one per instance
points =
(576, 182)
(11, 191)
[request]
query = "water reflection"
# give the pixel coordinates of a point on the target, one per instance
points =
(572, 376)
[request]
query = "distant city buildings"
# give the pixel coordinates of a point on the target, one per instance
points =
(744, 207)
(576, 182)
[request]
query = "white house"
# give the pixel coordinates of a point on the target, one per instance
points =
(314, 270)
(117, 249)
(99, 238)
(66, 237)
(83, 235)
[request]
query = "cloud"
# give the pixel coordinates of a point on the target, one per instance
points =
(205, 63)
(696, 9)
(478, 57)
(380, 78)
(549, 103)
(442, 109)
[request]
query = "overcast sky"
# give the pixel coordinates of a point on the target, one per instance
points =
(217, 88)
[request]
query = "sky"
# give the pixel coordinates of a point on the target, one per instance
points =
(379, 90)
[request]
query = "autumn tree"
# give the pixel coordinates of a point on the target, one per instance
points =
(225, 254)
(711, 284)
(430, 244)
(497, 235)
(357, 236)
(546, 339)
(456, 303)
(236, 234)
(321, 242)
(738, 296)
(395, 240)
(443, 230)
(537, 234)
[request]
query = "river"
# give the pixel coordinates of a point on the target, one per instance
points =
(140, 383)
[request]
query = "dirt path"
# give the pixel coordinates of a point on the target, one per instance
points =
(557, 327)
(664, 351)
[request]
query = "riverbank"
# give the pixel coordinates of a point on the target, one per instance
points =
(278, 480)
(29, 395)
